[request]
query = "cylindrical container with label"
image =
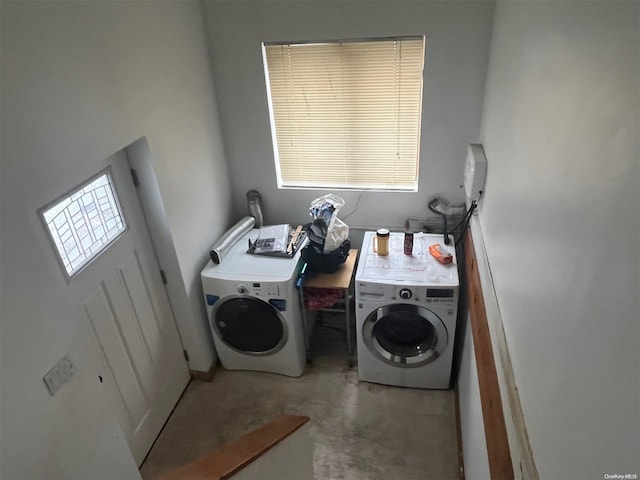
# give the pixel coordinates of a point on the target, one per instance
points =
(381, 242)
(408, 243)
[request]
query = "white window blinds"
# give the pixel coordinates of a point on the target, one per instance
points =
(346, 114)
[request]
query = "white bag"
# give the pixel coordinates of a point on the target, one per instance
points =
(327, 207)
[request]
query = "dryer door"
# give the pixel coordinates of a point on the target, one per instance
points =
(249, 325)
(405, 335)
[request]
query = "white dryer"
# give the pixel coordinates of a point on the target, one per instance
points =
(253, 309)
(406, 307)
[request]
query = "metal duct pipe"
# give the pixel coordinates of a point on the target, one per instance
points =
(254, 199)
(231, 236)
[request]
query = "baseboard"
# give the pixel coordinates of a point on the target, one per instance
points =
(205, 376)
(456, 399)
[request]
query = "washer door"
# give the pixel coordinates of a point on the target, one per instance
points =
(405, 335)
(249, 325)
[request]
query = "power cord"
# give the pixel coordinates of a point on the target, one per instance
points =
(432, 204)
(464, 222)
(355, 209)
(461, 226)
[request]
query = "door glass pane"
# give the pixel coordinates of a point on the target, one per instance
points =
(405, 334)
(84, 222)
(249, 325)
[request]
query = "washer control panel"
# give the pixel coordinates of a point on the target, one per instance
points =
(408, 293)
(261, 290)
(440, 295)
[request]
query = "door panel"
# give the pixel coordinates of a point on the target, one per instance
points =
(131, 322)
(105, 327)
(146, 316)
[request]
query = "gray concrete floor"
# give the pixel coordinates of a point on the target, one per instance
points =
(360, 430)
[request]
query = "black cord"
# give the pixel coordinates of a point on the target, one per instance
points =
(465, 217)
(465, 221)
(444, 220)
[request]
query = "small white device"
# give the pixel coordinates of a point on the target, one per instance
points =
(475, 171)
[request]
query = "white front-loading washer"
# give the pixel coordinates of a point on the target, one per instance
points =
(253, 309)
(406, 307)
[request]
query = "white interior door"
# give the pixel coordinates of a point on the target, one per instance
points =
(128, 313)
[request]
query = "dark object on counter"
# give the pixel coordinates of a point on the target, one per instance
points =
(408, 243)
(278, 241)
(319, 262)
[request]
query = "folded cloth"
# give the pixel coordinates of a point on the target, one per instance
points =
(319, 298)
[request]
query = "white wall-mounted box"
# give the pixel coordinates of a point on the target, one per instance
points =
(475, 171)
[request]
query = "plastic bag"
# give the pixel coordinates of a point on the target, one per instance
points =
(326, 225)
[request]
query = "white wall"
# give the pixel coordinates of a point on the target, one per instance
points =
(474, 446)
(80, 81)
(457, 42)
(561, 226)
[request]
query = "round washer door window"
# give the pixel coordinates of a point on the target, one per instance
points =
(405, 335)
(249, 325)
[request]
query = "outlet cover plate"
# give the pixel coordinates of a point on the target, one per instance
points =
(60, 374)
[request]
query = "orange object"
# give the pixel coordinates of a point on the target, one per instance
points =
(439, 254)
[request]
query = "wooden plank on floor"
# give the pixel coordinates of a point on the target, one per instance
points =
(235, 455)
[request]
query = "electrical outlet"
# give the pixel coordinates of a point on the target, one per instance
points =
(60, 374)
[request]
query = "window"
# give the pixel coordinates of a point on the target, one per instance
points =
(346, 114)
(84, 222)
